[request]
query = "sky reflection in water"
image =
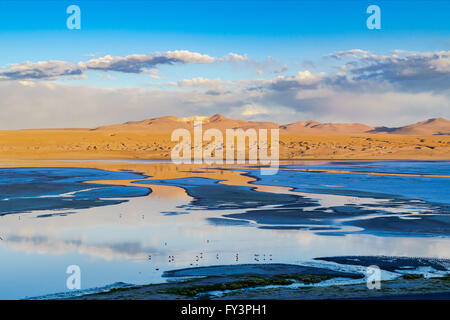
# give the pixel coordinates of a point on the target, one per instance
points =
(124, 233)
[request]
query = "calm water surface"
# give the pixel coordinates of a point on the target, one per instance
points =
(50, 219)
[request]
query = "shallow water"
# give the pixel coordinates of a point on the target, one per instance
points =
(50, 219)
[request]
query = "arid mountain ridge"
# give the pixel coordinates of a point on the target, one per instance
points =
(434, 126)
(151, 139)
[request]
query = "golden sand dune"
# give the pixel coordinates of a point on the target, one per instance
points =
(318, 128)
(170, 123)
(431, 126)
(151, 139)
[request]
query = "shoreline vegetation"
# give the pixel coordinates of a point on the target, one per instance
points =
(283, 281)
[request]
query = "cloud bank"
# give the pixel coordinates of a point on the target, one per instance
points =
(134, 63)
(394, 89)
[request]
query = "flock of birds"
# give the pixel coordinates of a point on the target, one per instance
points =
(196, 261)
(199, 257)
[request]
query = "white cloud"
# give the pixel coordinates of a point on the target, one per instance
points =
(253, 110)
(234, 57)
(212, 84)
(187, 56)
(27, 83)
(378, 90)
(420, 66)
(36, 70)
(134, 63)
(352, 53)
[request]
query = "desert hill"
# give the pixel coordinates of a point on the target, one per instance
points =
(318, 128)
(151, 139)
(436, 126)
(170, 123)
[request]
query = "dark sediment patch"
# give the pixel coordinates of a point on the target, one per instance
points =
(391, 263)
(289, 212)
(174, 213)
(232, 197)
(62, 214)
(283, 227)
(350, 193)
(424, 225)
(267, 270)
(323, 228)
(33, 189)
(32, 182)
(297, 216)
(227, 222)
(210, 195)
(298, 228)
(57, 203)
(279, 216)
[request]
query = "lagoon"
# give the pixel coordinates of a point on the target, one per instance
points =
(127, 222)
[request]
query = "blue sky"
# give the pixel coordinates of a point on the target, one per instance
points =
(276, 44)
(216, 27)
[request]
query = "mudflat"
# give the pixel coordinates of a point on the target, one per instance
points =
(282, 281)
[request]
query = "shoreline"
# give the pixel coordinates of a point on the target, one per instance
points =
(224, 180)
(122, 157)
(280, 282)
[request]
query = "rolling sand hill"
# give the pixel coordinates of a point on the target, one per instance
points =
(151, 139)
(435, 126)
(168, 124)
(325, 128)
